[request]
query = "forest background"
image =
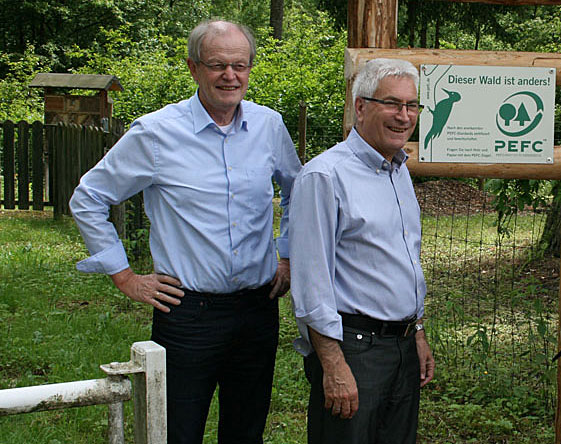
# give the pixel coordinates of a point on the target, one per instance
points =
(300, 59)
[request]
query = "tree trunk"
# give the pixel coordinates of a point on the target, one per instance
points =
(423, 34)
(551, 236)
(437, 34)
(276, 18)
(477, 37)
(412, 11)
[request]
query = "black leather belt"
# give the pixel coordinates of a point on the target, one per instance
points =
(249, 292)
(378, 327)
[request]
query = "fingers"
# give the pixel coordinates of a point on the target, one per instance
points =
(169, 285)
(165, 290)
(281, 281)
(426, 360)
(153, 289)
(345, 408)
(276, 290)
(427, 374)
(341, 392)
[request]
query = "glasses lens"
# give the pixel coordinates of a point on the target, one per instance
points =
(412, 108)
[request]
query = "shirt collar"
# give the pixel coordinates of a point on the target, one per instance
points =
(202, 119)
(367, 154)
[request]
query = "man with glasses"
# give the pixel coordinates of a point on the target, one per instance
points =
(205, 167)
(357, 284)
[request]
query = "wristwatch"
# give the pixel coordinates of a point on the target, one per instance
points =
(419, 327)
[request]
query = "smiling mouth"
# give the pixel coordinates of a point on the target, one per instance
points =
(397, 130)
(228, 88)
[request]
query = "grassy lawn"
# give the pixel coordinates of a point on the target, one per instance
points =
(491, 334)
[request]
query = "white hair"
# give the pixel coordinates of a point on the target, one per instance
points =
(369, 77)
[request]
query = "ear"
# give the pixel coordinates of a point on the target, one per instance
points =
(193, 69)
(359, 109)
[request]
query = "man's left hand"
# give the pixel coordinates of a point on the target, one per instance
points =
(281, 281)
(425, 358)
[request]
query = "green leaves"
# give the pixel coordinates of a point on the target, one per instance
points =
(306, 66)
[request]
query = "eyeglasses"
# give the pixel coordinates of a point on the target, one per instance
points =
(221, 67)
(396, 107)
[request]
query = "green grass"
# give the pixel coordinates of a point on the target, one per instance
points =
(492, 335)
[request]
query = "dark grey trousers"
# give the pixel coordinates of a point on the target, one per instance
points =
(387, 373)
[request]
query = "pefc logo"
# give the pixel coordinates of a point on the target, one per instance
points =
(519, 114)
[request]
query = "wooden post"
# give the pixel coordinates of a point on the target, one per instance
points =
(49, 158)
(150, 411)
(38, 167)
(372, 24)
(57, 158)
(9, 183)
(23, 165)
(550, 171)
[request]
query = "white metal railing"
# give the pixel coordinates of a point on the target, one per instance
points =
(148, 370)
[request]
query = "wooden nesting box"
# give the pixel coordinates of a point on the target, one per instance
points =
(61, 106)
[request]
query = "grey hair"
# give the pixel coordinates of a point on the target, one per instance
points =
(367, 80)
(213, 28)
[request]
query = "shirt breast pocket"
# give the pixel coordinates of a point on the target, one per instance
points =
(259, 188)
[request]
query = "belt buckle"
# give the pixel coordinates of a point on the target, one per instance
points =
(410, 327)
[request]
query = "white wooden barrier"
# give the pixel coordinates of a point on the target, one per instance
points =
(148, 369)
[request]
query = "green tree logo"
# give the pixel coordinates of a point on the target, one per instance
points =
(513, 119)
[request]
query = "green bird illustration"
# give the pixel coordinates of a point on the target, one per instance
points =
(440, 114)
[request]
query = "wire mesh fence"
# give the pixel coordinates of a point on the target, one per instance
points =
(492, 297)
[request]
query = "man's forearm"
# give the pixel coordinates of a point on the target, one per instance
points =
(339, 385)
(328, 350)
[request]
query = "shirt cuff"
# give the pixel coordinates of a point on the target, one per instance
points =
(282, 247)
(324, 320)
(109, 261)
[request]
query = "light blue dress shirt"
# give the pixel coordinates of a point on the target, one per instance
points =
(208, 196)
(355, 239)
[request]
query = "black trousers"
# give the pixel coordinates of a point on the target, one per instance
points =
(386, 370)
(229, 341)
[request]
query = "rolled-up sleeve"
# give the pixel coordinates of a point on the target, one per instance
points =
(313, 225)
(126, 169)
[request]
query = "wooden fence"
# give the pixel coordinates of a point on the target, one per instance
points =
(20, 142)
(48, 161)
(148, 369)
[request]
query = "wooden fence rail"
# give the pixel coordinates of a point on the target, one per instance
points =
(48, 161)
(148, 370)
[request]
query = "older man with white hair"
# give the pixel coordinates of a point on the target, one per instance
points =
(205, 166)
(357, 284)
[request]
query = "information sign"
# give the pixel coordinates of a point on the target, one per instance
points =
(486, 114)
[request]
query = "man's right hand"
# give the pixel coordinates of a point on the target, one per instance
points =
(341, 394)
(339, 384)
(149, 288)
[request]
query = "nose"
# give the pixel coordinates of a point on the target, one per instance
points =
(403, 114)
(229, 72)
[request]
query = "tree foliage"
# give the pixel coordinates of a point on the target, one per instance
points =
(306, 66)
(144, 44)
(17, 101)
(153, 72)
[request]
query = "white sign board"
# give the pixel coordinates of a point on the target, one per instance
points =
(486, 114)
